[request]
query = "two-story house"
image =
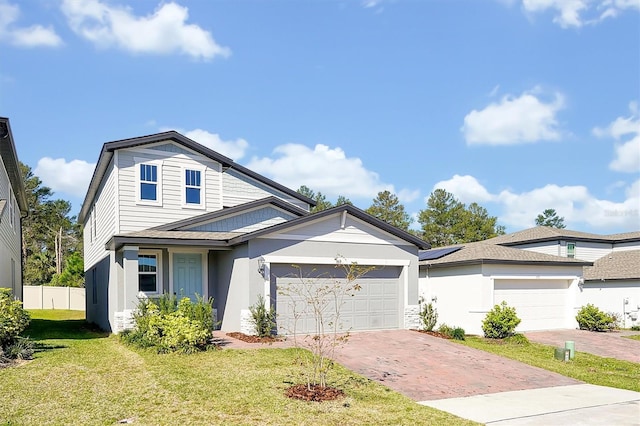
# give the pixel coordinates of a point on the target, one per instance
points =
(164, 214)
(547, 274)
(13, 204)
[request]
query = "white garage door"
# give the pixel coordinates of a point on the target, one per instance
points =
(376, 306)
(540, 304)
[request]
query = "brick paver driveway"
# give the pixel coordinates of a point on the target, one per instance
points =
(425, 368)
(609, 344)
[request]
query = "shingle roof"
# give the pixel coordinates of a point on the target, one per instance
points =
(546, 233)
(617, 265)
(483, 252)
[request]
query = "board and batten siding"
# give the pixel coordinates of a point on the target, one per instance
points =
(10, 236)
(102, 217)
(240, 189)
(248, 221)
(135, 216)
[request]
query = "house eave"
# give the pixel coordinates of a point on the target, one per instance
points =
(499, 262)
(9, 157)
(118, 241)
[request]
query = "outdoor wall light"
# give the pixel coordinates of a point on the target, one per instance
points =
(261, 266)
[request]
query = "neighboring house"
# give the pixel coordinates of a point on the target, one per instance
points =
(164, 214)
(13, 204)
(547, 274)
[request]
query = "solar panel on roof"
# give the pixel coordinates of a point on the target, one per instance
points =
(437, 253)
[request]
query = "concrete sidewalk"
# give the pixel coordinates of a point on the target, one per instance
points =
(562, 405)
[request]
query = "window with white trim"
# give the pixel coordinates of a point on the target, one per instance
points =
(149, 182)
(571, 250)
(193, 183)
(149, 278)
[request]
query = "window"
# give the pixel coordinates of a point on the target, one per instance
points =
(148, 273)
(148, 182)
(571, 250)
(192, 186)
(11, 208)
(93, 223)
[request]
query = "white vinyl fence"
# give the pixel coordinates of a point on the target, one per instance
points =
(47, 297)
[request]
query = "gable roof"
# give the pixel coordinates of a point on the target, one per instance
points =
(9, 157)
(108, 149)
(348, 208)
(159, 236)
(617, 265)
(482, 252)
(209, 217)
(546, 233)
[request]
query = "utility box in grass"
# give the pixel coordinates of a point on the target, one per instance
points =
(562, 354)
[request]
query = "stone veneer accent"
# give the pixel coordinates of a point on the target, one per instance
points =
(246, 325)
(123, 321)
(412, 317)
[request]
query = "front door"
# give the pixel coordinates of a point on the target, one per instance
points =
(187, 275)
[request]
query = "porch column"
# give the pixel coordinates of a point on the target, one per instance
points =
(130, 267)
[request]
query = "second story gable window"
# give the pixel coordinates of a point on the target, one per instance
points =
(192, 186)
(149, 181)
(571, 250)
(193, 195)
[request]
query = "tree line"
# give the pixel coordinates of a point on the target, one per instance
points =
(52, 249)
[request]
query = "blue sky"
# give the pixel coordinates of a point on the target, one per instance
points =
(516, 105)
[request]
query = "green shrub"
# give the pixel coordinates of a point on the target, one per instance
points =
(13, 318)
(445, 329)
(500, 322)
(517, 339)
(263, 319)
(591, 318)
(168, 326)
(457, 333)
(635, 328)
(428, 316)
(21, 348)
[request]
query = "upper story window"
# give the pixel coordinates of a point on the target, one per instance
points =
(149, 181)
(571, 250)
(193, 188)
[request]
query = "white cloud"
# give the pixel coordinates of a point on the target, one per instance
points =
(165, 31)
(575, 203)
(466, 189)
(577, 13)
(323, 169)
(626, 131)
(71, 177)
(32, 36)
(515, 120)
(408, 195)
(234, 149)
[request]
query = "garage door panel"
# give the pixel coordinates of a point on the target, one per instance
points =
(374, 306)
(540, 304)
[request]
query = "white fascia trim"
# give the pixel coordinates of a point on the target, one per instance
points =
(332, 239)
(310, 260)
(135, 248)
(533, 277)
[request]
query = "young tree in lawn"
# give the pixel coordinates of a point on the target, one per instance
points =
(549, 217)
(319, 297)
(388, 208)
(447, 221)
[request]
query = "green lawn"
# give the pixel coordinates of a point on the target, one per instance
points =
(80, 376)
(586, 367)
(633, 336)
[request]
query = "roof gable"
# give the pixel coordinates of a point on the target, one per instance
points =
(172, 137)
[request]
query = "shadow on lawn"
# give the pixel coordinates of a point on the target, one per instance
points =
(44, 329)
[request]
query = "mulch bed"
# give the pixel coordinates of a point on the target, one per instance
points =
(434, 334)
(253, 339)
(314, 393)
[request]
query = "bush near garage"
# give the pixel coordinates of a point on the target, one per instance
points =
(500, 322)
(591, 318)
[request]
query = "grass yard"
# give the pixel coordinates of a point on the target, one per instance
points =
(586, 367)
(633, 336)
(80, 376)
